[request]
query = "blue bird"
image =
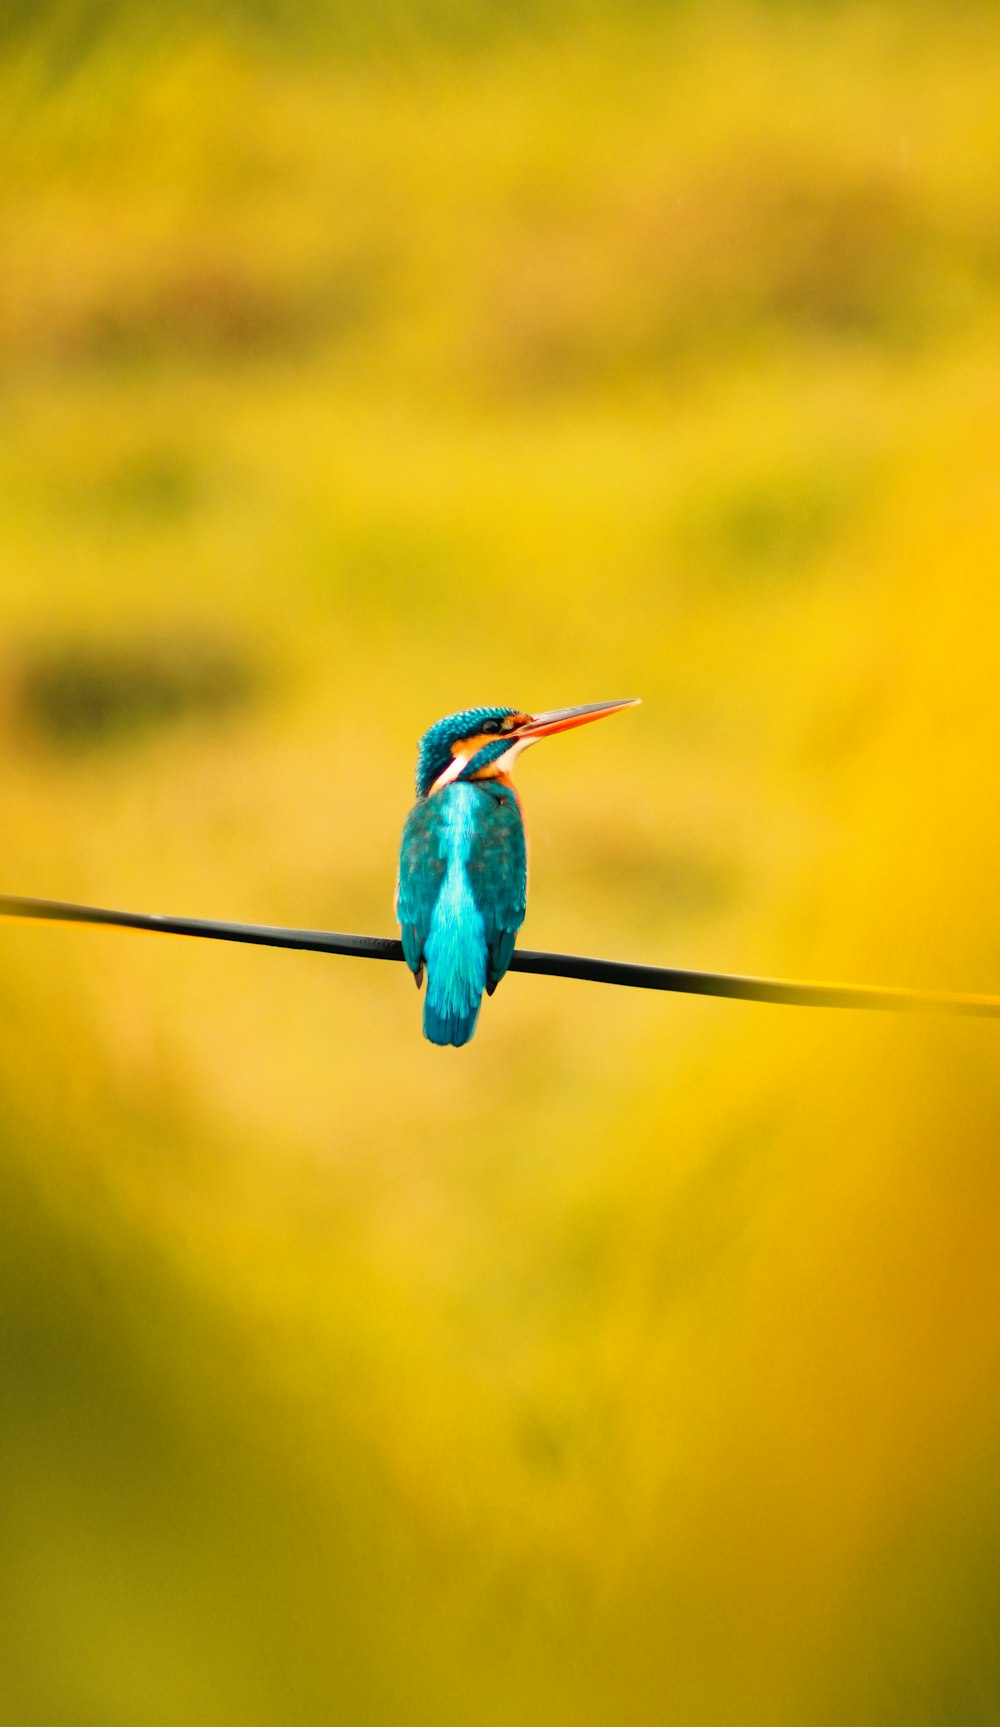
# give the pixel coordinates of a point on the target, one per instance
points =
(463, 870)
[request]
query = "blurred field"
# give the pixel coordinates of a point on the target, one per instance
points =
(640, 1363)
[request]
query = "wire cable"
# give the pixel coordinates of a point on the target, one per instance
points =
(728, 985)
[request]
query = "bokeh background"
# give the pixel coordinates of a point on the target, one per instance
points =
(640, 1362)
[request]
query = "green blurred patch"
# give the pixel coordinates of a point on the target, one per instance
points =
(161, 486)
(773, 528)
(84, 695)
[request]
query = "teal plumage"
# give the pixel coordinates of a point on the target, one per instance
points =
(461, 900)
(463, 859)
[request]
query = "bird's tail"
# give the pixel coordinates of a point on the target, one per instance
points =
(455, 955)
(446, 1023)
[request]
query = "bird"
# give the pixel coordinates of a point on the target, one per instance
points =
(463, 868)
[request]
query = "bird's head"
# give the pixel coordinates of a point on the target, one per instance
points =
(481, 743)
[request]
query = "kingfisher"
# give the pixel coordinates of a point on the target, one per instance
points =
(463, 864)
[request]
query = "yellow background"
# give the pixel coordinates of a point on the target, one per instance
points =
(639, 1363)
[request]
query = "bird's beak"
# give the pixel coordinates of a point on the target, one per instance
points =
(563, 719)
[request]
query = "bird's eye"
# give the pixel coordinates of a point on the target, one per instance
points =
(490, 726)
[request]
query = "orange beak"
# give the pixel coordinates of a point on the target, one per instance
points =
(564, 719)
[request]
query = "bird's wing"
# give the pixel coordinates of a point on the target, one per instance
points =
(498, 874)
(421, 872)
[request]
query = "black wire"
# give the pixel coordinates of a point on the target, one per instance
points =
(682, 982)
(257, 934)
